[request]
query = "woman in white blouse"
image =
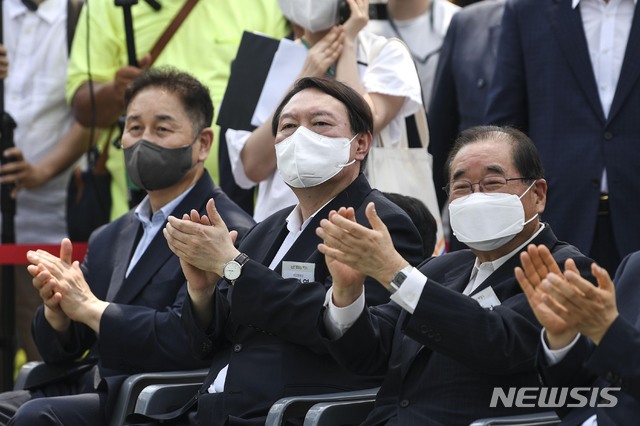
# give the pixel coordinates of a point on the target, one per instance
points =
(383, 73)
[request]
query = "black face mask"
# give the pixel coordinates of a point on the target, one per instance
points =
(152, 167)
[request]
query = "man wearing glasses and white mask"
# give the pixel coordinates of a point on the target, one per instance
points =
(460, 326)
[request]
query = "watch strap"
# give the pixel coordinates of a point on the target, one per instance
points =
(240, 259)
(399, 278)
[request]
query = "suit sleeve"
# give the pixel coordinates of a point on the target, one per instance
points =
(615, 359)
(264, 300)
(137, 338)
(51, 347)
(507, 99)
(499, 341)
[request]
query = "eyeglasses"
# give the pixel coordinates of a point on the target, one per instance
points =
(462, 187)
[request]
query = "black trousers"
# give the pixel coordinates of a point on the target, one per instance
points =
(73, 402)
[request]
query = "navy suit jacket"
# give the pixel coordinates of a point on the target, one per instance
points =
(461, 84)
(613, 363)
(444, 361)
(140, 330)
(271, 322)
(544, 85)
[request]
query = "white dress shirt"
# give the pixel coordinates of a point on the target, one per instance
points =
(606, 27)
(36, 44)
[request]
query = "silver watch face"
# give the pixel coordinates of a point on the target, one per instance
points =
(232, 270)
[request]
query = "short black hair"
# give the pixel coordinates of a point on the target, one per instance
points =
(194, 95)
(360, 116)
(421, 218)
(524, 153)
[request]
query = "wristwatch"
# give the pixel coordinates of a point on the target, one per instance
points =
(399, 278)
(231, 270)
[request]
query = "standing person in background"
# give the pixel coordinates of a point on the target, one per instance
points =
(465, 68)
(205, 44)
(462, 78)
(381, 72)
(567, 74)
(33, 65)
(422, 25)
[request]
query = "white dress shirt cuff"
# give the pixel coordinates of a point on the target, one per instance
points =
(410, 291)
(554, 356)
(338, 320)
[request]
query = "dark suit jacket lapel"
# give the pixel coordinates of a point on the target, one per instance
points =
(304, 248)
(158, 252)
(409, 351)
(128, 236)
(630, 72)
(263, 242)
(140, 275)
(505, 272)
(567, 26)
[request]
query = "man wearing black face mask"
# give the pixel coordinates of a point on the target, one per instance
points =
(460, 326)
(271, 294)
(129, 281)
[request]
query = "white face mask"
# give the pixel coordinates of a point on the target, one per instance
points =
(307, 159)
(312, 15)
(486, 221)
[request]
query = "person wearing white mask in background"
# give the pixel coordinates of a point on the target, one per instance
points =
(460, 323)
(276, 276)
(383, 73)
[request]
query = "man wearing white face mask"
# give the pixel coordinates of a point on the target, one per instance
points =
(460, 326)
(271, 296)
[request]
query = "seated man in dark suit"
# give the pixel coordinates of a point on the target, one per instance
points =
(272, 294)
(458, 326)
(590, 341)
(122, 304)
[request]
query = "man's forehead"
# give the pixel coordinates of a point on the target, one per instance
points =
(487, 156)
(314, 102)
(157, 101)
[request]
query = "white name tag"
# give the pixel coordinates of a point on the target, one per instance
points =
(300, 270)
(487, 298)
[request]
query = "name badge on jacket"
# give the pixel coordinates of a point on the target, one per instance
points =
(302, 271)
(487, 298)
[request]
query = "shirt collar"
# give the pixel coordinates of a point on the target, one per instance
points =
(502, 260)
(575, 3)
(294, 220)
(48, 10)
(143, 210)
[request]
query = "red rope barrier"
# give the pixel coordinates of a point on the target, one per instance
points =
(16, 254)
